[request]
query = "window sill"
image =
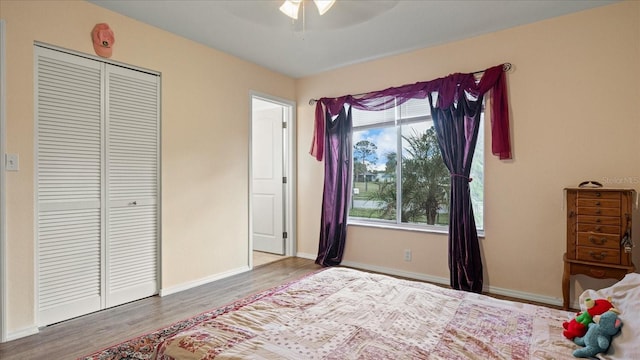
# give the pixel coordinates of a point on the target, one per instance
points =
(404, 227)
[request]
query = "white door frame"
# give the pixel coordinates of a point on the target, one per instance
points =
(3, 222)
(289, 192)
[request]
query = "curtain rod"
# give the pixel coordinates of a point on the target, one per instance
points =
(505, 67)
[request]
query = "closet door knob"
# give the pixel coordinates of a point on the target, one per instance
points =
(133, 203)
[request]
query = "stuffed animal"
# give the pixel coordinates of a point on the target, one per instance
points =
(579, 324)
(598, 337)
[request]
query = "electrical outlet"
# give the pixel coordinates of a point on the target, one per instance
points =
(407, 254)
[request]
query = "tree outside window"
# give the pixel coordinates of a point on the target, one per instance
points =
(364, 154)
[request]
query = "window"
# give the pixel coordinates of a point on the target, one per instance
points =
(395, 151)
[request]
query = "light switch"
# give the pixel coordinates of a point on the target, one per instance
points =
(12, 162)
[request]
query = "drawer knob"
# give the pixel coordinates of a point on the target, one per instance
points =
(598, 211)
(598, 220)
(597, 203)
(598, 194)
(597, 273)
(595, 241)
(598, 228)
(600, 256)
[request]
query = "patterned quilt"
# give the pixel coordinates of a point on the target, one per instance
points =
(341, 313)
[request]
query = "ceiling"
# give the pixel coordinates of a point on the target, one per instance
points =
(352, 31)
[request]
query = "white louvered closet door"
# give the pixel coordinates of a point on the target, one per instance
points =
(132, 184)
(97, 154)
(69, 185)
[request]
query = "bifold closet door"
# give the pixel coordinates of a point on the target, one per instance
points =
(132, 184)
(69, 151)
(97, 171)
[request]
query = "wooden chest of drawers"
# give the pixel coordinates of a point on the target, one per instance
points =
(597, 221)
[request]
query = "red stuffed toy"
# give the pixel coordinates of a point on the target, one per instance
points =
(580, 323)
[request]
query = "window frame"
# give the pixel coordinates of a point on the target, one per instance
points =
(398, 122)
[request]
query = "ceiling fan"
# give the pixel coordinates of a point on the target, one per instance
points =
(291, 7)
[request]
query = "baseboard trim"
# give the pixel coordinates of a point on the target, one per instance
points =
(306, 256)
(549, 300)
(521, 295)
(195, 283)
(20, 333)
(397, 272)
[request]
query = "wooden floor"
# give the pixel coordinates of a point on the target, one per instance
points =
(261, 258)
(87, 334)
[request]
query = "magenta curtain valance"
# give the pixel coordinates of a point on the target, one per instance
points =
(449, 89)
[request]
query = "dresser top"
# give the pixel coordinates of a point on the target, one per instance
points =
(602, 189)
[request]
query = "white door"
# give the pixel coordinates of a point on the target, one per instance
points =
(132, 151)
(97, 165)
(69, 178)
(267, 176)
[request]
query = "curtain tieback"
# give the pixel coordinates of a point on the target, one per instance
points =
(462, 176)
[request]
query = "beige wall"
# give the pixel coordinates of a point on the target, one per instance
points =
(205, 140)
(574, 92)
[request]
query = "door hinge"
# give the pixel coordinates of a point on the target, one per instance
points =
(284, 235)
(284, 124)
(284, 179)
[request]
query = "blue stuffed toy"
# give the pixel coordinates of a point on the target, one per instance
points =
(598, 337)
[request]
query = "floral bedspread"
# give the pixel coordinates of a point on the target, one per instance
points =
(341, 313)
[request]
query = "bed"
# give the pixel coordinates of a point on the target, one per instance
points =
(341, 313)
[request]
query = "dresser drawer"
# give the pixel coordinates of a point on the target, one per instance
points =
(605, 203)
(598, 211)
(597, 228)
(599, 240)
(582, 194)
(600, 255)
(599, 272)
(601, 220)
